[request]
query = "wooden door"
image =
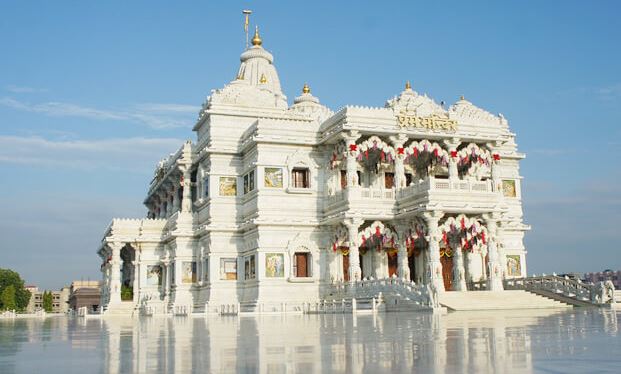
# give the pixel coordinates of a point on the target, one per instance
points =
(412, 264)
(447, 271)
(346, 267)
(389, 180)
(392, 264)
(301, 262)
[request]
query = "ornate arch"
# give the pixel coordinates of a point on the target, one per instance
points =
(416, 237)
(423, 154)
(473, 160)
(377, 235)
(340, 238)
(469, 233)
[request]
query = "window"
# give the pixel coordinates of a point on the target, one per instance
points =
(408, 179)
(228, 268)
(389, 180)
(301, 268)
(300, 178)
(249, 182)
(344, 178)
(249, 267)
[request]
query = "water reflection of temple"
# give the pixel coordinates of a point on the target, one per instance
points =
(399, 342)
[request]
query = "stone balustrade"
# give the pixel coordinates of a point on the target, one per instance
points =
(564, 289)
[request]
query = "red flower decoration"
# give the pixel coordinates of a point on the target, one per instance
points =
(353, 147)
(400, 150)
(453, 153)
(377, 231)
(416, 152)
(496, 157)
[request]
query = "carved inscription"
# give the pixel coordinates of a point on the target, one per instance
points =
(433, 122)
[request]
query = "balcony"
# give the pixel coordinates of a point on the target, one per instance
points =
(458, 196)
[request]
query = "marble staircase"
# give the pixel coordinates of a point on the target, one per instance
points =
(496, 300)
(122, 309)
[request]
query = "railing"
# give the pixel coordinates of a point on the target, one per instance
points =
(362, 193)
(435, 184)
(600, 293)
(417, 294)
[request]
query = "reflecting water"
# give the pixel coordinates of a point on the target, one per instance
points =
(504, 341)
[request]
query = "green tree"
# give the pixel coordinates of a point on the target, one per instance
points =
(7, 298)
(47, 301)
(9, 277)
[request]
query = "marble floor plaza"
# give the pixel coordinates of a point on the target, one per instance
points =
(548, 341)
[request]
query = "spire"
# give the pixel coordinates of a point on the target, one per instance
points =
(306, 89)
(256, 39)
(408, 86)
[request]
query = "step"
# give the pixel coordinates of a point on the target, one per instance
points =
(494, 300)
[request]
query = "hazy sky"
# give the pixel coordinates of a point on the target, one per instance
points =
(92, 95)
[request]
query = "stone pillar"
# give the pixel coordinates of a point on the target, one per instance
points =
(136, 280)
(169, 201)
(494, 281)
(351, 152)
(434, 267)
(459, 270)
(452, 145)
(403, 269)
(163, 203)
(186, 202)
(355, 272)
(397, 143)
(176, 201)
(165, 279)
(115, 273)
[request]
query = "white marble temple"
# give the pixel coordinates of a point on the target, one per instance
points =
(273, 203)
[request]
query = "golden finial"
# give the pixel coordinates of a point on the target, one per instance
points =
(256, 39)
(263, 80)
(462, 97)
(408, 86)
(306, 89)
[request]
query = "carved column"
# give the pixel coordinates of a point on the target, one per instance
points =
(355, 272)
(115, 273)
(459, 270)
(176, 201)
(403, 268)
(351, 163)
(452, 145)
(186, 202)
(165, 276)
(494, 281)
(434, 267)
(169, 201)
(502, 255)
(162, 195)
(397, 143)
(136, 280)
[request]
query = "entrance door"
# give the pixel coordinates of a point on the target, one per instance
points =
(346, 267)
(392, 264)
(447, 271)
(412, 264)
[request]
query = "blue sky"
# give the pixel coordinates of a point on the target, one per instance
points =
(93, 94)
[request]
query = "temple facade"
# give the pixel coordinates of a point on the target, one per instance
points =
(275, 204)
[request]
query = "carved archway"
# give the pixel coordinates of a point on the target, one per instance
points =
(474, 161)
(377, 236)
(468, 233)
(423, 157)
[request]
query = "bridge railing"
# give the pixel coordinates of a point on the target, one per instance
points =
(600, 293)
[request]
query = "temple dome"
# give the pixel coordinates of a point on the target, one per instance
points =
(308, 105)
(257, 83)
